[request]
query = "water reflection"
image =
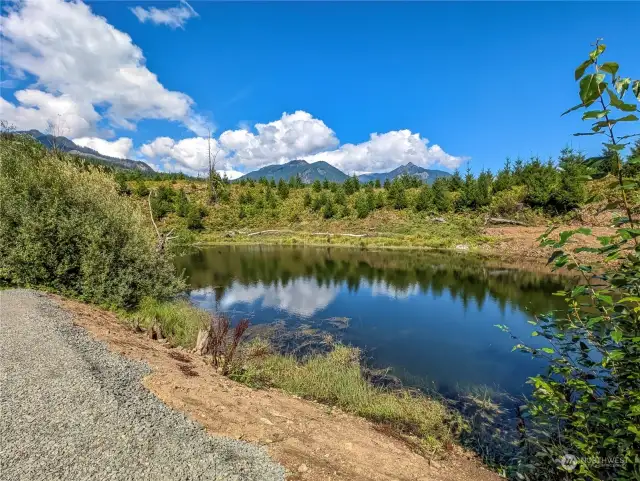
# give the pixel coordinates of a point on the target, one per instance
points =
(429, 315)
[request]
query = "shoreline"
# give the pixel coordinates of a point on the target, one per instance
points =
(312, 440)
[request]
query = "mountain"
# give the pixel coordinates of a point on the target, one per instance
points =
(307, 172)
(67, 145)
(427, 175)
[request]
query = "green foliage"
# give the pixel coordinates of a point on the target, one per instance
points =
(179, 321)
(162, 201)
(424, 202)
(317, 186)
(283, 189)
(307, 199)
(336, 379)
(67, 228)
(455, 181)
(587, 403)
(377, 184)
(441, 197)
(351, 185)
(397, 195)
(362, 205)
(141, 189)
(329, 210)
(194, 217)
(540, 181)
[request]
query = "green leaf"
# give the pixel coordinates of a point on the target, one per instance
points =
(622, 85)
(610, 67)
(591, 86)
(595, 114)
(616, 336)
(597, 51)
(548, 350)
(636, 89)
(575, 107)
(619, 104)
(626, 118)
(582, 67)
(579, 134)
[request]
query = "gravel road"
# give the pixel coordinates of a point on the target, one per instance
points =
(71, 410)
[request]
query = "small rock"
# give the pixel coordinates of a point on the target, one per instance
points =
(266, 421)
(303, 468)
(462, 247)
(436, 464)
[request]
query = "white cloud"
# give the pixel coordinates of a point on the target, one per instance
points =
(292, 136)
(384, 152)
(120, 148)
(188, 155)
(77, 55)
(300, 297)
(301, 136)
(36, 108)
(174, 17)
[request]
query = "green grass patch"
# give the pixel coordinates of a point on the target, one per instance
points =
(336, 379)
(179, 320)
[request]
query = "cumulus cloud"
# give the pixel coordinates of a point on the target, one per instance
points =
(384, 152)
(174, 17)
(77, 55)
(37, 108)
(301, 136)
(120, 148)
(188, 155)
(300, 297)
(290, 137)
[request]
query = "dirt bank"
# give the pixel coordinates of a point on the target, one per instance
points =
(312, 441)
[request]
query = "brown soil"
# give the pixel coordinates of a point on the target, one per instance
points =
(314, 442)
(520, 243)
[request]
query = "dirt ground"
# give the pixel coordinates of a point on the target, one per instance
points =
(520, 244)
(312, 441)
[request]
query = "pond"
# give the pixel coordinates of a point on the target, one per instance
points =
(429, 316)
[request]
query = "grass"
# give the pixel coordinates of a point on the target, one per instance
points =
(385, 227)
(336, 379)
(179, 321)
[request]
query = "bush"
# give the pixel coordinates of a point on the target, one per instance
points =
(362, 205)
(66, 227)
(329, 210)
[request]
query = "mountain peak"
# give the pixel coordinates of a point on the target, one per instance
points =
(411, 164)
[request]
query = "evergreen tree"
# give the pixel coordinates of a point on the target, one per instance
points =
(455, 181)
(482, 192)
(283, 189)
(441, 199)
(504, 179)
(424, 202)
(467, 196)
(317, 186)
(377, 184)
(362, 205)
(631, 168)
(387, 184)
(540, 181)
(325, 184)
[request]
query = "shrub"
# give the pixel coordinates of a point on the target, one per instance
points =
(362, 205)
(424, 202)
(329, 210)
(67, 228)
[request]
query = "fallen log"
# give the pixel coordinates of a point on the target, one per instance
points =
(287, 231)
(501, 220)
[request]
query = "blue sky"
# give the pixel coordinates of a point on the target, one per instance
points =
(480, 80)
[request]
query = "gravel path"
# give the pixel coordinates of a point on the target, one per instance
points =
(71, 410)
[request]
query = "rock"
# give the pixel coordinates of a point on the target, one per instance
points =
(435, 464)
(303, 468)
(462, 247)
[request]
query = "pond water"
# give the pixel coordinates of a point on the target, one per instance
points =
(429, 316)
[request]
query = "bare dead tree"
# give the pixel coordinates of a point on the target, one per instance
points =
(55, 129)
(214, 178)
(163, 238)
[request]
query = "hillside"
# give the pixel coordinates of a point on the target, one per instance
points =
(67, 145)
(301, 168)
(427, 175)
